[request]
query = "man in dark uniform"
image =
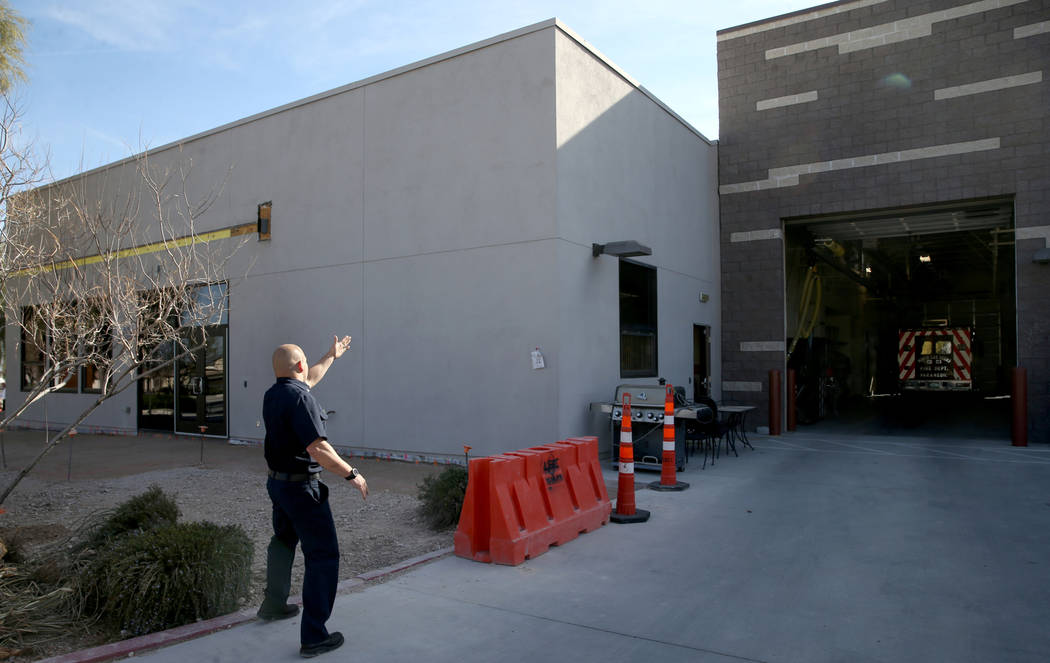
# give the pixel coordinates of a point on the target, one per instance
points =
(296, 449)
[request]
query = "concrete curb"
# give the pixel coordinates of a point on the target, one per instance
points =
(178, 634)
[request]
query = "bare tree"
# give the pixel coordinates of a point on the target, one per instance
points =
(108, 279)
(20, 169)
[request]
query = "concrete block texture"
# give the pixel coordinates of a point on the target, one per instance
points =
(916, 103)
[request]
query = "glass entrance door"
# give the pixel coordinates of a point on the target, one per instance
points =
(200, 406)
(157, 390)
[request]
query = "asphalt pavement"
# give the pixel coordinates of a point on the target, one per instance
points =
(812, 547)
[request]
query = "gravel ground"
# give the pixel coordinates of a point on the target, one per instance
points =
(373, 534)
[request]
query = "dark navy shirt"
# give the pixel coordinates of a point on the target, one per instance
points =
(293, 419)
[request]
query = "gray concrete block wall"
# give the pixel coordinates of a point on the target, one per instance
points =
(891, 99)
(1033, 334)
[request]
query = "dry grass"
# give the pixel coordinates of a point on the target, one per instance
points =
(33, 612)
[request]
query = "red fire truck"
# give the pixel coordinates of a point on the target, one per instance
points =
(935, 359)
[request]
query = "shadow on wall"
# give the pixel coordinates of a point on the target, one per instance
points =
(632, 171)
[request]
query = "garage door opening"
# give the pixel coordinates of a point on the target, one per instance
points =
(903, 320)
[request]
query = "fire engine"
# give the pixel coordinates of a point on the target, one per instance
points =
(935, 359)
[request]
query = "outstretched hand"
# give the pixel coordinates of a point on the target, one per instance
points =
(339, 346)
(362, 485)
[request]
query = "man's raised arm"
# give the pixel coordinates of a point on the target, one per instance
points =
(318, 370)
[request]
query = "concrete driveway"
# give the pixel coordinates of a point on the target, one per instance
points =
(812, 547)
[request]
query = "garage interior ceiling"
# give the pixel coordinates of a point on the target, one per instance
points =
(956, 236)
(911, 222)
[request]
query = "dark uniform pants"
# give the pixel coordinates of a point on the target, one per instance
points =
(301, 514)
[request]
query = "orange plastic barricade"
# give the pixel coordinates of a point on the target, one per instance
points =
(521, 503)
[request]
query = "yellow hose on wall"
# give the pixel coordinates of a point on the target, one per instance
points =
(807, 317)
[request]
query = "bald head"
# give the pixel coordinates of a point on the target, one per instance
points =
(289, 361)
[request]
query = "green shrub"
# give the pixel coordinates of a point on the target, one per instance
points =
(442, 496)
(151, 509)
(167, 576)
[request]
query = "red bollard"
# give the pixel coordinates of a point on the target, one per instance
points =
(1019, 399)
(625, 510)
(203, 430)
(774, 402)
(791, 414)
(668, 478)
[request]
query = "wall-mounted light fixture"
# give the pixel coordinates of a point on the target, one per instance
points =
(263, 221)
(1042, 256)
(627, 249)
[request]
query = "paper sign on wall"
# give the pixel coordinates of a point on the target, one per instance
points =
(537, 359)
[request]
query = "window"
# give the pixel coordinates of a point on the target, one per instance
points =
(99, 343)
(40, 348)
(65, 346)
(938, 345)
(207, 306)
(638, 356)
(91, 379)
(34, 349)
(157, 320)
(200, 306)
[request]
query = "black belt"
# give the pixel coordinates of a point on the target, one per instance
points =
(285, 476)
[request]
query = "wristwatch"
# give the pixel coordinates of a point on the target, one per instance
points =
(353, 474)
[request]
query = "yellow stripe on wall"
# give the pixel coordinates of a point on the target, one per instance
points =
(145, 249)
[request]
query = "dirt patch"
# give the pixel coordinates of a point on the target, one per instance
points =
(230, 490)
(19, 537)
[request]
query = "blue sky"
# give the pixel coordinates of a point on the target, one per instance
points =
(108, 78)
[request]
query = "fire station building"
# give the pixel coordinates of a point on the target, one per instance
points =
(507, 231)
(511, 230)
(884, 171)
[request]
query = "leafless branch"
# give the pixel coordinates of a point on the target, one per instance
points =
(102, 276)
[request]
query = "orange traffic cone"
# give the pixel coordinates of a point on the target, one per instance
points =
(625, 509)
(668, 478)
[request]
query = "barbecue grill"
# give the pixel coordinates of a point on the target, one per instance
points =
(647, 422)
